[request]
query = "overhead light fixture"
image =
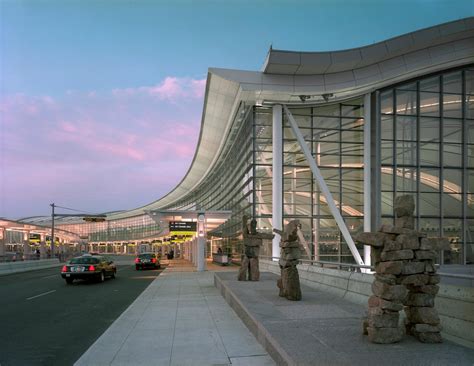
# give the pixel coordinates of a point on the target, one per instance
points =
(327, 96)
(304, 98)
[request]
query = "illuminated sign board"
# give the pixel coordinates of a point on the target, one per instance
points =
(94, 219)
(182, 226)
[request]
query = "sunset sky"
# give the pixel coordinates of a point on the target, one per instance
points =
(101, 101)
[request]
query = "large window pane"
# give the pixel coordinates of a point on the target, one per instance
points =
(330, 110)
(429, 129)
(326, 135)
(352, 110)
(406, 153)
(452, 182)
(452, 155)
(452, 83)
(430, 84)
(429, 204)
(406, 179)
(386, 128)
(470, 205)
(452, 105)
(429, 180)
(387, 203)
(469, 106)
(405, 128)
(452, 205)
(354, 136)
(452, 130)
(386, 153)
(406, 102)
(352, 124)
(470, 156)
(469, 81)
(387, 179)
(429, 154)
(470, 181)
(452, 229)
(429, 104)
(430, 227)
(386, 102)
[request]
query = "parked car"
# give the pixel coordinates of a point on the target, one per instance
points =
(88, 267)
(147, 260)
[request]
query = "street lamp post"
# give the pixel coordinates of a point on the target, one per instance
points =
(52, 229)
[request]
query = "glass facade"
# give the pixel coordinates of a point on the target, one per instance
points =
(335, 134)
(426, 149)
(129, 229)
(424, 139)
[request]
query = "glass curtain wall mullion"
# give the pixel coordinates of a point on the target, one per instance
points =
(254, 162)
(395, 140)
(314, 240)
(464, 169)
(418, 169)
(441, 161)
(339, 198)
(376, 162)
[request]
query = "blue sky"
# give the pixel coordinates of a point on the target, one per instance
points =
(95, 84)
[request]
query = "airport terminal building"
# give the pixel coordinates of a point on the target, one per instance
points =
(329, 138)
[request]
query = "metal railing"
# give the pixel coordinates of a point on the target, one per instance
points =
(328, 264)
(357, 268)
(457, 275)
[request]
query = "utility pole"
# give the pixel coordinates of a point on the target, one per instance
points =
(52, 229)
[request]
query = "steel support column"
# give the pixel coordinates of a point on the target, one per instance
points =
(324, 188)
(277, 174)
(367, 175)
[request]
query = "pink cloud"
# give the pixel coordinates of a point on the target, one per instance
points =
(116, 150)
(171, 89)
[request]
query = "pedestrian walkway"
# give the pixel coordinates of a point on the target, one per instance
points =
(180, 319)
(324, 329)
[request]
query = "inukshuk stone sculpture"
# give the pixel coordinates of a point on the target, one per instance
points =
(405, 277)
(252, 242)
(289, 282)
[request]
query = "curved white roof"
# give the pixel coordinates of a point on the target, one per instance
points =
(287, 75)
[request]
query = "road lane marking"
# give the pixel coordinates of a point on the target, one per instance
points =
(53, 275)
(44, 293)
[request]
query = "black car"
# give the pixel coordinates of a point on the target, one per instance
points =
(147, 260)
(88, 267)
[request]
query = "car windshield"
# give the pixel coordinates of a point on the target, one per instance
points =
(146, 256)
(84, 260)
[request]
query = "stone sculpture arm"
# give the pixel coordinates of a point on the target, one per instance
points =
(279, 232)
(265, 236)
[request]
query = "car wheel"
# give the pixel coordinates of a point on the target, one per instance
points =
(69, 280)
(102, 277)
(137, 268)
(114, 273)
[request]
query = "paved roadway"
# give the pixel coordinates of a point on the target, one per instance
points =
(46, 322)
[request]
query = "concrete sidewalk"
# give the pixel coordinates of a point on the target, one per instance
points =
(180, 319)
(324, 329)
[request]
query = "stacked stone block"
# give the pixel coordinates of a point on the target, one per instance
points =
(405, 278)
(290, 253)
(249, 268)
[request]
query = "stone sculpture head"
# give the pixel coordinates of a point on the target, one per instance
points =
(291, 231)
(404, 205)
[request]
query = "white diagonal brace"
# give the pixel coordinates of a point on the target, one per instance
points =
(324, 188)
